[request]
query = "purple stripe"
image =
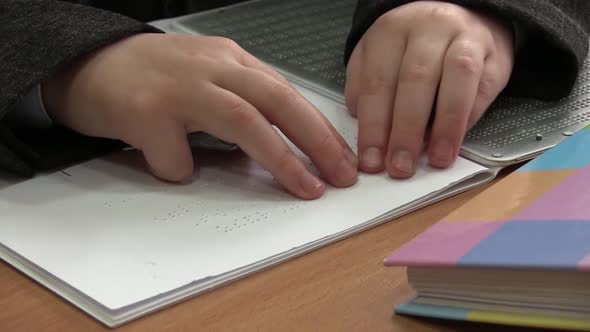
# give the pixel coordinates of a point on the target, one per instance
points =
(443, 244)
(569, 200)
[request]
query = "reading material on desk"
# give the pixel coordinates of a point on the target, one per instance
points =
(119, 244)
(518, 253)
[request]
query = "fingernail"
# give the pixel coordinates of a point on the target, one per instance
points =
(311, 184)
(345, 172)
(372, 157)
(442, 153)
(403, 160)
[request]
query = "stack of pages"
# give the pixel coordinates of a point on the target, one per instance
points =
(118, 243)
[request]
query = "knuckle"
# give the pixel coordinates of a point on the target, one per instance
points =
(449, 14)
(487, 88)
(192, 56)
(226, 43)
(239, 112)
(416, 73)
(181, 172)
(453, 120)
(466, 60)
(283, 93)
(326, 144)
(186, 53)
(375, 84)
(387, 21)
(285, 162)
(467, 64)
(282, 90)
(442, 13)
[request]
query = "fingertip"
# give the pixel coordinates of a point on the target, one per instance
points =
(402, 164)
(181, 174)
(372, 160)
(441, 154)
(311, 187)
(371, 170)
(441, 163)
(178, 169)
(308, 196)
(399, 174)
(345, 174)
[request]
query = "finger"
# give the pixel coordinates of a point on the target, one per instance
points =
(298, 119)
(353, 77)
(168, 154)
(250, 61)
(238, 121)
(462, 69)
(418, 82)
(378, 82)
(494, 78)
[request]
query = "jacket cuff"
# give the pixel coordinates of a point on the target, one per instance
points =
(30, 112)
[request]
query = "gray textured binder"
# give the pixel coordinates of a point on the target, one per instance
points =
(305, 40)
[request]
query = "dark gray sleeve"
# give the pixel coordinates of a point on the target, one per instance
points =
(552, 38)
(30, 111)
(37, 38)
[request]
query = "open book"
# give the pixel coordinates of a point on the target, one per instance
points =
(518, 253)
(116, 242)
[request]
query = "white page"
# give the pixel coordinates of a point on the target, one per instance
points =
(120, 236)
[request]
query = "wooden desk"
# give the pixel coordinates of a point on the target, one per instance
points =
(342, 287)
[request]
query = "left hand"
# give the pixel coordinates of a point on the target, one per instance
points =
(421, 58)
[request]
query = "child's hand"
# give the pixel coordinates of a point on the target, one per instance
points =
(151, 90)
(421, 60)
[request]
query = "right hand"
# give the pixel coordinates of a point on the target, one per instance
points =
(422, 61)
(151, 90)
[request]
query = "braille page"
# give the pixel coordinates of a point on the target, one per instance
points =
(116, 234)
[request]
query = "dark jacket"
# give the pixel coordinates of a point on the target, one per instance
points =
(37, 37)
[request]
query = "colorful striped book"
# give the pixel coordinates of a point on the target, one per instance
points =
(517, 254)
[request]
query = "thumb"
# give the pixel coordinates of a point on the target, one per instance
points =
(169, 155)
